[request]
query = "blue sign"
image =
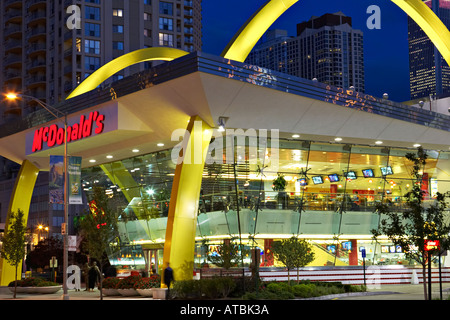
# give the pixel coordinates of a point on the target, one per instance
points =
(363, 253)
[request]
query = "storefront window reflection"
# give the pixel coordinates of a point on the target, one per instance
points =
(329, 198)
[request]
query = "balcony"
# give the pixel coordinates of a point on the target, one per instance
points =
(36, 48)
(13, 30)
(13, 4)
(35, 81)
(13, 61)
(36, 4)
(37, 33)
(13, 45)
(36, 17)
(13, 16)
(36, 65)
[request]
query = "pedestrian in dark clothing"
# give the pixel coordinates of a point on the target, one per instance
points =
(168, 277)
(94, 276)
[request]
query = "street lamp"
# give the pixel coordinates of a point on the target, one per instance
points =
(54, 112)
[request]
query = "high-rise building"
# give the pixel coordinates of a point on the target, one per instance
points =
(46, 55)
(326, 48)
(429, 74)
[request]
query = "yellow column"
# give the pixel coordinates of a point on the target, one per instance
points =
(179, 244)
(20, 199)
(119, 175)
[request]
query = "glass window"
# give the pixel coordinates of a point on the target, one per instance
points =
(166, 39)
(92, 13)
(92, 29)
(117, 28)
(91, 63)
(118, 45)
(166, 24)
(166, 8)
(118, 12)
(92, 46)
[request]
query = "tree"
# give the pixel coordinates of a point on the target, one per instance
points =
(419, 222)
(293, 253)
(44, 251)
(14, 242)
(99, 228)
(227, 255)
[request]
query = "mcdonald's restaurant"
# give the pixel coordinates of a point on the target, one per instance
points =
(204, 150)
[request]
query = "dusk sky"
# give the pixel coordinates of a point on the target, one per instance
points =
(385, 49)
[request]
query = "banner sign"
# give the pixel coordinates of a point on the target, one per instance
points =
(74, 171)
(56, 180)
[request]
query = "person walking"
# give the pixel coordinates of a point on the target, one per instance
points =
(168, 278)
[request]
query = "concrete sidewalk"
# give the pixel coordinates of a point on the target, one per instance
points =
(382, 292)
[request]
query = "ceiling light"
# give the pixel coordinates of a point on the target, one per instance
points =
(160, 144)
(221, 123)
(337, 139)
(92, 161)
(135, 150)
(295, 136)
(378, 142)
(109, 157)
(416, 145)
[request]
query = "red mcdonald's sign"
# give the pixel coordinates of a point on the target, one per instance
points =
(432, 245)
(54, 135)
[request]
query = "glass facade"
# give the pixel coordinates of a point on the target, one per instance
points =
(330, 197)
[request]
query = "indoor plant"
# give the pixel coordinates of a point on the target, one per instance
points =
(279, 184)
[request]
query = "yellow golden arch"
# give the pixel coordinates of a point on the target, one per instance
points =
(181, 223)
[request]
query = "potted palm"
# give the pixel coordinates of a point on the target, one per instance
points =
(145, 286)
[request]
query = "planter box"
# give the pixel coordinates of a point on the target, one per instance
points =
(160, 293)
(145, 292)
(37, 290)
(128, 292)
(110, 292)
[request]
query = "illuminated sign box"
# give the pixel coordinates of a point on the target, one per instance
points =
(432, 245)
(80, 127)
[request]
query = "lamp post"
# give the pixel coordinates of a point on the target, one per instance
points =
(54, 112)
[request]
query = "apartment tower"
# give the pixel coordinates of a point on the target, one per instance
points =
(429, 74)
(326, 48)
(45, 54)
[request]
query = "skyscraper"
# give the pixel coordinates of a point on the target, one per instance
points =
(429, 74)
(46, 56)
(326, 48)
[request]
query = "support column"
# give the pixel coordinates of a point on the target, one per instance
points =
(353, 254)
(179, 244)
(20, 199)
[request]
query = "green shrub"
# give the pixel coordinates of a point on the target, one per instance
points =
(12, 283)
(33, 282)
(219, 287)
(304, 290)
